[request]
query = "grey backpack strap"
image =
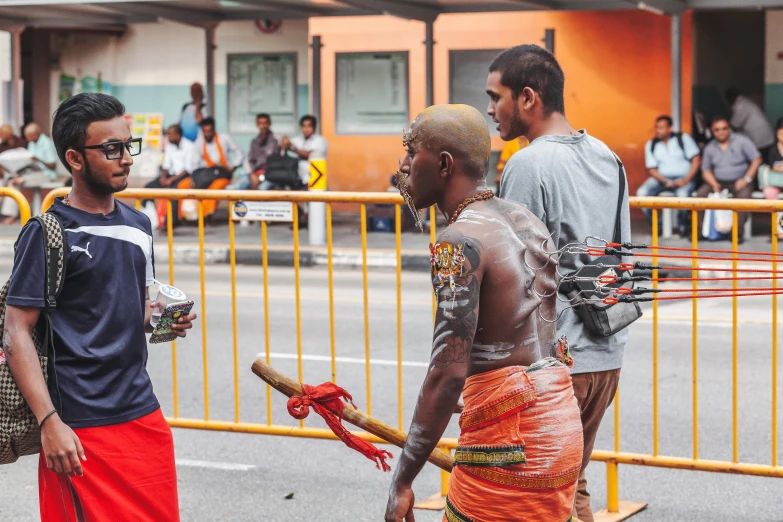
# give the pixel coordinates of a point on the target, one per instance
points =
(56, 256)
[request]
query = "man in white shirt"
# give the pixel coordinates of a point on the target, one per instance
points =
(749, 119)
(178, 156)
(306, 146)
(193, 113)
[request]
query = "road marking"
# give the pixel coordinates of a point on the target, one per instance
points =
(226, 466)
(351, 360)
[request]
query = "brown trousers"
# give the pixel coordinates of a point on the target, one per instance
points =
(594, 393)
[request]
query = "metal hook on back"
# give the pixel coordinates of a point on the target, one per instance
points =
(544, 250)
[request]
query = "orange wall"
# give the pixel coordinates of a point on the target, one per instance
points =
(617, 67)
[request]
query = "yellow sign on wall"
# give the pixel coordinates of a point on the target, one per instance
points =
(317, 175)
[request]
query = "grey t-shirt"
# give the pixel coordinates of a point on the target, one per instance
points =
(571, 183)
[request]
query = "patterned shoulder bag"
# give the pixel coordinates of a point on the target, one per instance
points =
(19, 432)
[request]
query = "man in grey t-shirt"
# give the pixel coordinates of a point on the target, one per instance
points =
(570, 181)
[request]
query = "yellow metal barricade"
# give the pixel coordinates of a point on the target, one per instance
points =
(612, 458)
(362, 199)
(21, 201)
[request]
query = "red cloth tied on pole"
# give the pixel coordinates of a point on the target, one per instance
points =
(326, 400)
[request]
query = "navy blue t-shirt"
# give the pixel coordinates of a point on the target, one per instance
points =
(97, 373)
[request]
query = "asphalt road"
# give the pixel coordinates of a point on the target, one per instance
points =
(239, 477)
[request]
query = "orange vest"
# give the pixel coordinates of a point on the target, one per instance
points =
(208, 160)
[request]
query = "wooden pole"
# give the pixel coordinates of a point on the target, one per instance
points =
(290, 387)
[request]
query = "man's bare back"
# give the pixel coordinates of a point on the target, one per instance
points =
(506, 242)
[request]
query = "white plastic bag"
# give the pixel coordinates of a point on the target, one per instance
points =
(724, 219)
(151, 212)
(189, 209)
(717, 223)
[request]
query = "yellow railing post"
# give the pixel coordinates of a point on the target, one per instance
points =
(233, 261)
(170, 237)
(774, 342)
(612, 487)
(398, 241)
(330, 263)
(265, 268)
(695, 331)
(298, 299)
(444, 475)
(366, 310)
(655, 331)
(203, 307)
(734, 427)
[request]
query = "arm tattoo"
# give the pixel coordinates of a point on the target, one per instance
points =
(457, 313)
(7, 348)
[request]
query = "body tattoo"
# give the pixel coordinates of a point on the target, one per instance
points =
(457, 312)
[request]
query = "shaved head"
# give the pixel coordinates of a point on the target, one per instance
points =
(460, 130)
(32, 131)
(6, 132)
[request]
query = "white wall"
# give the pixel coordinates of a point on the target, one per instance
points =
(774, 65)
(165, 53)
(168, 53)
(5, 71)
(85, 54)
(244, 37)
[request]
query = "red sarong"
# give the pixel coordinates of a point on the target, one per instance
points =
(129, 475)
(520, 447)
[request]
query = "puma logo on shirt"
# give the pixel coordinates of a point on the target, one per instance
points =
(86, 250)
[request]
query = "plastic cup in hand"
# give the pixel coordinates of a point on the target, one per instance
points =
(166, 295)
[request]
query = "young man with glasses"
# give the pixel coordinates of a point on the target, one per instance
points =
(107, 452)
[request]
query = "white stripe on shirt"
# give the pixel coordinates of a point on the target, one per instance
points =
(124, 233)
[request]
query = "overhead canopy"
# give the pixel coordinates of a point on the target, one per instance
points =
(118, 13)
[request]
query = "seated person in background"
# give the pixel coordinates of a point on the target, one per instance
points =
(672, 161)
(41, 147)
(509, 149)
(216, 150)
(730, 162)
(217, 156)
(749, 119)
(177, 165)
(8, 140)
(306, 146)
(262, 146)
(773, 163)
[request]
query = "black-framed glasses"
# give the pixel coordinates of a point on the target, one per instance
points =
(114, 150)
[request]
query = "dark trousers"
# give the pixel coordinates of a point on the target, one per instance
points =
(745, 193)
(155, 184)
(594, 393)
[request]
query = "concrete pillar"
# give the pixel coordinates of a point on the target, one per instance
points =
(677, 72)
(549, 40)
(16, 116)
(210, 41)
(429, 57)
(316, 212)
(315, 80)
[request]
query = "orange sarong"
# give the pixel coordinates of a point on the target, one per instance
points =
(520, 446)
